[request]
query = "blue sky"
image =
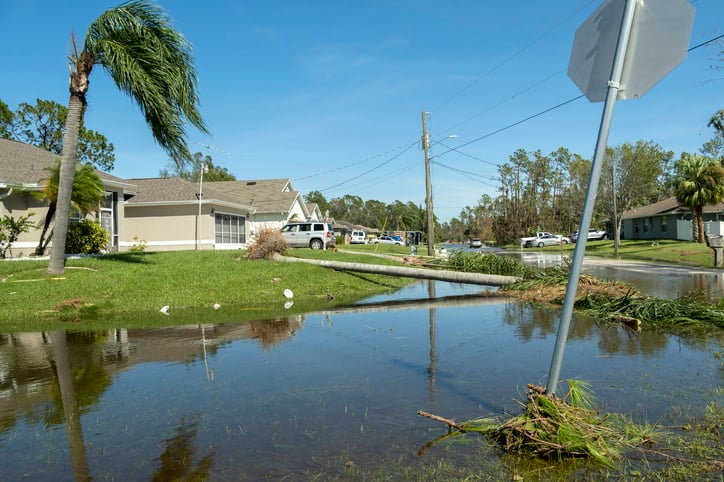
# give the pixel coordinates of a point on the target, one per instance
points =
(330, 93)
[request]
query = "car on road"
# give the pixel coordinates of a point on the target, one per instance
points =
(476, 243)
(315, 235)
(593, 234)
(387, 240)
(547, 239)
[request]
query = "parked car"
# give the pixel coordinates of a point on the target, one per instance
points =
(358, 237)
(387, 240)
(594, 234)
(547, 240)
(316, 235)
(524, 241)
(476, 243)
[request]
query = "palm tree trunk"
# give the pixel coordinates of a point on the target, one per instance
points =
(700, 224)
(71, 408)
(418, 273)
(73, 120)
(43, 242)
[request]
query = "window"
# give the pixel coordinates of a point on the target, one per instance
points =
(663, 224)
(229, 229)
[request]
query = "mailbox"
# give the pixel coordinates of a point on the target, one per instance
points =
(715, 240)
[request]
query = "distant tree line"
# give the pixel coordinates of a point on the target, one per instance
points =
(545, 192)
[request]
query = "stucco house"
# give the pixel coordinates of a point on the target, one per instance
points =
(158, 213)
(273, 202)
(668, 220)
(22, 171)
(167, 214)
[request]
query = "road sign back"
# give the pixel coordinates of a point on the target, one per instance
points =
(659, 41)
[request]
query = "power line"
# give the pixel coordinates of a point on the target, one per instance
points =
(497, 131)
(351, 163)
(511, 57)
(373, 169)
(466, 173)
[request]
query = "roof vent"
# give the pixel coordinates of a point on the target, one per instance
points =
(251, 183)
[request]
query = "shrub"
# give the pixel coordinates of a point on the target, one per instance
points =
(11, 229)
(267, 242)
(139, 246)
(85, 237)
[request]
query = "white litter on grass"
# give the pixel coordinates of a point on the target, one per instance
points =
(288, 304)
(164, 310)
(288, 294)
(217, 306)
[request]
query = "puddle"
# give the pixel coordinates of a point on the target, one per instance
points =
(316, 395)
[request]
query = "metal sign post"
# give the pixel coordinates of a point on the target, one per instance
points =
(651, 41)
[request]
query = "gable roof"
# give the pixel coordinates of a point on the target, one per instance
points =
(667, 206)
(266, 196)
(174, 190)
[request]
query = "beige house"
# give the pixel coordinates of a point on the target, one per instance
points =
(273, 202)
(22, 171)
(161, 214)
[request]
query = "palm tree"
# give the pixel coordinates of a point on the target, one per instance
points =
(148, 60)
(85, 196)
(699, 181)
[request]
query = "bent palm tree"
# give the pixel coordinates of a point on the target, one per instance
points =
(148, 60)
(699, 181)
(85, 196)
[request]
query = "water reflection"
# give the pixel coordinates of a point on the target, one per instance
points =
(179, 460)
(294, 396)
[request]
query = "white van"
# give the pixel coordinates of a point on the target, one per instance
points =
(358, 237)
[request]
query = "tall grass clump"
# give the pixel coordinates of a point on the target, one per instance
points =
(267, 242)
(487, 264)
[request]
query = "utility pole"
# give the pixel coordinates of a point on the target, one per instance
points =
(428, 190)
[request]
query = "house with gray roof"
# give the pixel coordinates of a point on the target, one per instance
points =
(23, 170)
(274, 202)
(668, 220)
(170, 214)
(157, 213)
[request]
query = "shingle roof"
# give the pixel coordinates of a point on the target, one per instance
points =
(25, 164)
(22, 163)
(667, 206)
(267, 196)
(174, 189)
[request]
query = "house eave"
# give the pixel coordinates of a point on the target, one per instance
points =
(206, 202)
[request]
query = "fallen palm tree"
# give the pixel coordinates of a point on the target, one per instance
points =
(403, 271)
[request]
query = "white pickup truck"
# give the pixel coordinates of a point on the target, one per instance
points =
(531, 238)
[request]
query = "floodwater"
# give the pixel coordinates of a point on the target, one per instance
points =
(661, 281)
(319, 396)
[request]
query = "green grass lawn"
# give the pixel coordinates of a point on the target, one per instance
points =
(130, 288)
(665, 251)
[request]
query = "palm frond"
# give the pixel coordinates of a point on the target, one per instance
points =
(151, 62)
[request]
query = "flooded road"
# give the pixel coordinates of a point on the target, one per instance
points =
(652, 279)
(321, 396)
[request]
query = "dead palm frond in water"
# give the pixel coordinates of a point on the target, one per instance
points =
(556, 428)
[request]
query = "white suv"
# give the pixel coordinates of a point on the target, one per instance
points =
(313, 234)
